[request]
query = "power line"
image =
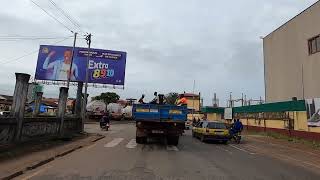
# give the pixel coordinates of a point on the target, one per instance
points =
(28, 38)
(66, 14)
(51, 16)
(30, 53)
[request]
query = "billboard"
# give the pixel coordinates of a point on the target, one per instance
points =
(105, 66)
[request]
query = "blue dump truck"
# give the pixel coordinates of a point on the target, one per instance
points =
(155, 120)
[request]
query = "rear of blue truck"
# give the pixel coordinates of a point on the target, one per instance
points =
(153, 120)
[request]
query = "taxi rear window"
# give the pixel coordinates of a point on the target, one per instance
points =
(213, 125)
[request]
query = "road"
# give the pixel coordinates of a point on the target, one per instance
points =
(118, 157)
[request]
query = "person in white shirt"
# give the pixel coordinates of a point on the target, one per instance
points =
(61, 67)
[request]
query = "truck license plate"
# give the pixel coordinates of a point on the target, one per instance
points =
(175, 112)
(157, 132)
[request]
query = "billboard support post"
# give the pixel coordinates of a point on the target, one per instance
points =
(88, 38)
(73, 48)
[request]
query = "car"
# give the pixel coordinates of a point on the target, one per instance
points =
(211, 130)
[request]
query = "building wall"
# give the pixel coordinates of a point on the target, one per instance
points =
(213, 116)
(193, 104)
(287, 60)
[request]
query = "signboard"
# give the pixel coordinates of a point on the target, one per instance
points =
(228, 113)
(105, 66)
(313, 112)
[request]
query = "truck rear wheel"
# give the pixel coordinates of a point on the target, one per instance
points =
(173, 140)
(141, 140)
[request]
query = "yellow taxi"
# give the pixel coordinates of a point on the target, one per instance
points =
(211, 130)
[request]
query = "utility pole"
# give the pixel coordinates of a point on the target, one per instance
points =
(245, 100)
(194, 84)
(85, 100)
(231, 100)
(73, 48)
(241, 99)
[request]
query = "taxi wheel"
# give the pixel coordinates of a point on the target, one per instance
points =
(225, 142)
(202, 138)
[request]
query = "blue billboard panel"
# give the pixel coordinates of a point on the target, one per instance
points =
(105, 66)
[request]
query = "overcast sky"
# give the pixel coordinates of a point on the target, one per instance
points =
(169, 43)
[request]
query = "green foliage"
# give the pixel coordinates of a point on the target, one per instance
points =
(108, 97)
(172, 97)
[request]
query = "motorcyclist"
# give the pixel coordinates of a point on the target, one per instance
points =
(236, 127)
(105, 119)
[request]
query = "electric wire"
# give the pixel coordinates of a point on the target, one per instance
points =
(62, 24)
(28, 54)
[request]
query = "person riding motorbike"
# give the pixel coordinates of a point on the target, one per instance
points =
(235, 130)
(105, 120)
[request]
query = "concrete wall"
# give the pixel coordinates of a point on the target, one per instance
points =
(298, 118)
(286, 54)
(34, 128)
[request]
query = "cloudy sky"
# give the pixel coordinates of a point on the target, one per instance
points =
(169, 44)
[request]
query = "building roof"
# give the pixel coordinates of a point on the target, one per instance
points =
(6, 102)
(190, 95)
(6, 97)
(292, 18)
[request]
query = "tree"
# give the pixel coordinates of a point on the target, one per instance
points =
(172, 97)
(108, 97)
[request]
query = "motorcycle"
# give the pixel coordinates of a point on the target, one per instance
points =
(105, 126)
(236, 136)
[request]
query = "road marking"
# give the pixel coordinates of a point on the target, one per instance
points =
(224, 149)
(172, 148)
(91, 146)
(132, 144)
(241, 149)
(114, 142)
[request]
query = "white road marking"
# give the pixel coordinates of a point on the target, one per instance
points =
(114, 142)
(224, 149)
(132, 144)
(241, 149)
(172, 148)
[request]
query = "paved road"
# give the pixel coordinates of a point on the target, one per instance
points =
(119, 157)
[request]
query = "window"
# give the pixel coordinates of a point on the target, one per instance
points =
(314, 45)
(214, 125)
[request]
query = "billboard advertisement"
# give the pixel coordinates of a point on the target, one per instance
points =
(105, 66)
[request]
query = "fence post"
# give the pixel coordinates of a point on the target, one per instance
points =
(79, 99)
(19, 101)
(37, 103)
(63, 96)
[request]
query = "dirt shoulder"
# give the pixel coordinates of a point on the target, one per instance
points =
(291, 151)
(16, 159)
